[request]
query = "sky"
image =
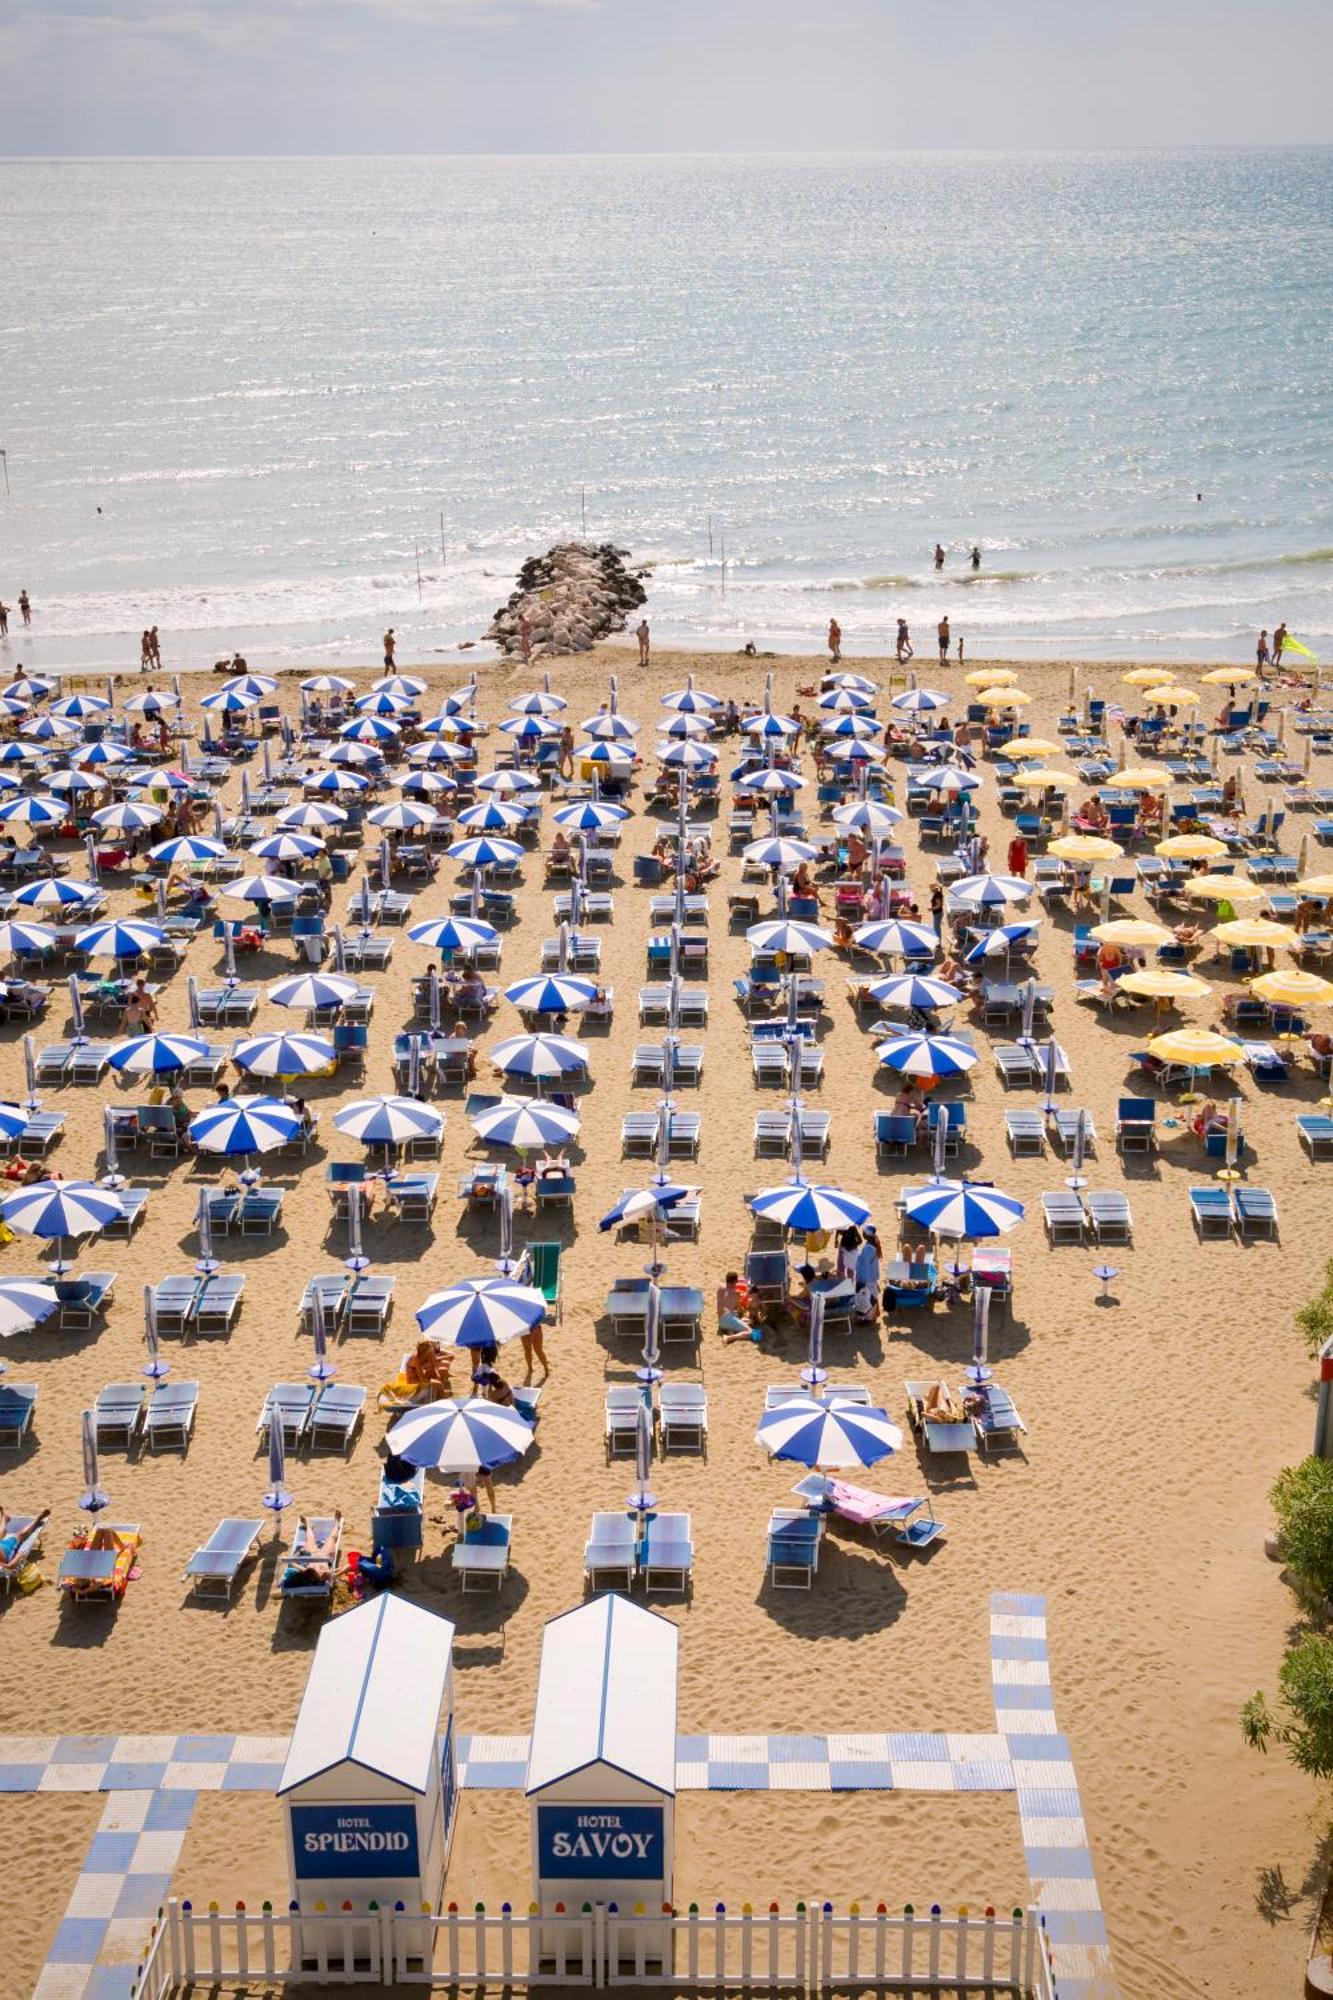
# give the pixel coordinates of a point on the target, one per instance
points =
(591, 76)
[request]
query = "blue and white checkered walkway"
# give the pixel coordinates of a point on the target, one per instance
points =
(1055, 1838)
(152, 1785)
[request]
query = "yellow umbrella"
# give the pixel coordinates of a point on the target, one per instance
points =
(1190, 847)
(1003, 697)
(1200, 1048)
(1041, 780)
(1315, 885)
(985, 677)
(1085, 847)
(1141, 778)
(1229, 676)
(1131, 931)
(1162, 984)
(1255, 933)
(1224, 888)
(1031, 746)
(1172, 697)
(1293, 988)
(1146, 677)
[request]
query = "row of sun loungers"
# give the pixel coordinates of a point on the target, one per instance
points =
(322, 1418)
(126, 1413)
(351, 1305)
(680, 1421)
(654, 1549)
(1105, 1216)
(641, 1132)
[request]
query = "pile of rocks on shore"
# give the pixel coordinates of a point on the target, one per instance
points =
(573, 595)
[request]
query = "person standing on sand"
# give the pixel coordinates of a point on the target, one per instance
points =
(1261, 651)
(641, 634)
(25, 609)
(155, 645)
(943, 631)
(939, 555)
(145, 652)
(904, 642)
(565, 760)
(1279, 643)
(389, 643)
(834, 640)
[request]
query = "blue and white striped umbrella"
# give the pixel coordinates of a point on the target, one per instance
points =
(446, 724)
(287, 846)
(357, 756)
(852, 729)
(14, 754)
(158, 1055)
(542, 702)
(806, 1205)
(389, 1121)
(403, 816)
(427, 782)
(552, 993)
(24, 1303)
(34, 809)
(957, 1208)
(284, 1055)
(370, 729)
(529, 728)
(313, 814)
(17, 938)
(29, 687)
(484, 850)
(244, 1125)
(525, 1123)
(769, 782)
(461, 699)
(262, 889)
(127, 817)
(453, 933)
(897, 937)
(870, 816)
(999, 943)
(590, 815)
(913, 989)
(784, 934)
(615, 756)
(690, 699)
(845, 700)
(920, 701)
(988, 892)
(505, 780)
(779, 852)
(150, 702)
(60, 1208)
(327, 684)
(827, 1434)
(659, 1198)
(927, 1055)
(310, 990)
(338, 781)
(128, 938)
(186, 847)
(944, 778)
(610, 727)
(12, 1120)
(56, 892)
(49, 729)
(479, 1312)
(381, 701)
(688, 756)
(540, 1055)
(491, 816)
(858, 682)
(106, 752)
(461, 1435)
(256, 686)
(769, 727)
(63, 784)
(229, 701)
(405, 685)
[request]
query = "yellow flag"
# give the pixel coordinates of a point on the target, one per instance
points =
(1290, 645)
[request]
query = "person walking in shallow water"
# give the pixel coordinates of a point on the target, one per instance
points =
(1261, 650)
(834, 640)
(25, 608)
(975, 557)
(641, 634)
(904, 642)
(939, 555)
(389, 644)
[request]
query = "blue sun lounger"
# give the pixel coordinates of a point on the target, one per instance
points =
(793, 1548)
(169, 1418)
(18, 1400)
(482, 1558)
(291, 1404)
(215, 1567)
(1210, 1208)
(118, 1412)
(292, 1585)
(337, 1416)
(28, 1535)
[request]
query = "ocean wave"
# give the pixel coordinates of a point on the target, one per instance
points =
(942, 580)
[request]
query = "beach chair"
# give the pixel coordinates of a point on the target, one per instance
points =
(89, 1061)
(639, 1132)
(768, 1062)
(292, 1584)
(1316, 1135)
(1136, 1125)
(684, 1131)
(793, 1548)
(624, 1400)
(666, 1553)
(611, 1551)
(261, 1211)
(369, 1304)
(291, 1404)
(53, 1062)
(118, 1412)
(1256, 1211)
(895, 1135)
(414, 1196)
(217, 1303)
(215, 1567)
(481, 1558)
(772, 1134)
(133, 1206)
(996, 1419)
(1016, 1064)
(173, 1302)
(816, 1127)
(1064, 1126)
(18, 1402)
(682, 1416)
(766, 1274)
(544, 1274)
(1210, 1210)
(169, 1416)
(1025, 1131)
(28, 1533)
(810, 1065)
(1062, 1212)
(99, 1575)
(1109, 1216)
(397, 1519)
(938, 1438)
(554, 1191)
(908, 1518)
(40, 1134)
(336, 1417)
(648, 1063)
(83, 1299)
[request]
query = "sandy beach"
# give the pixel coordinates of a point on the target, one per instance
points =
(1156, 1425)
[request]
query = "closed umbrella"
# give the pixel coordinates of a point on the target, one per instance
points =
(814, 1372)
(461, 1434)
(155, 1367)
(356, 1259)
(481, 1312)
(1078, 1152)
(980, 1372)
(277, 1496)
(76, 1009)
(112, 1178)
(93, 1498)
(206, 1263)
(642, 1500)
(651, 1370)
(1051, 1069)
(321, 1368)
(939, 1145)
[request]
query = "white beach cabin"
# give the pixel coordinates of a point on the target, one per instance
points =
(601, 1784)
(370, 1785)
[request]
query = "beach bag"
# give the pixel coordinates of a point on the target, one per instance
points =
(864, 1303)
(29, 1578)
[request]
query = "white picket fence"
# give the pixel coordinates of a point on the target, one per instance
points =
(810, 1949)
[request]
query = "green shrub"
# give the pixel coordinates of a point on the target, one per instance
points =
(1303, 1502)
(1316, 1319)
(1305, 1724)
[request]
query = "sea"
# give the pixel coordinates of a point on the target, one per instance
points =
(277, 405)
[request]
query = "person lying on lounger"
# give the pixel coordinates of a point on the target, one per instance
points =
(941, 1406)
(315, 1563)
(11, 1541)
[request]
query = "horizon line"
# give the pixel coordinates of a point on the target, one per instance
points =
(696, 152)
